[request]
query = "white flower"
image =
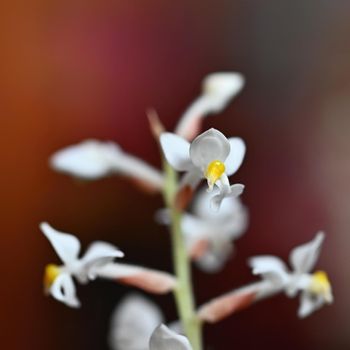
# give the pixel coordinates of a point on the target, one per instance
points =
(133, 322)
(97, 262)
(315, 287)
(165, 339)
(210, 155)
(58, 280)
(92, 159)
(209, 234)
(218, 90)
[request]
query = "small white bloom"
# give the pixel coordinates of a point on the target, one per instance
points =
(209, 234)
(210, 155)
(218, 90)
(93, 159)
(58, 280)
(97, 262)
(315, 288)
(133, 322)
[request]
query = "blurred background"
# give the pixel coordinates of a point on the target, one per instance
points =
(73, 70)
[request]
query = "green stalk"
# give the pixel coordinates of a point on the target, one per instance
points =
(182, 265)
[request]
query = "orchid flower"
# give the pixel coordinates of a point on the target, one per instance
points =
(135, 324)
(210, 155)
(217, 91)
(58, 280)
(97, 262)
(209, 234)
(92, 159)
(315, 287)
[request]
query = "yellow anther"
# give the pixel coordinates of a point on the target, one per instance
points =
(320, 285)
(214, 171)
(51, 273)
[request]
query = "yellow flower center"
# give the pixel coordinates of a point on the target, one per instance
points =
(214, 171)
(51, 273)
(320, 285)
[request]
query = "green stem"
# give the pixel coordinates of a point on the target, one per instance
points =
(182, 265)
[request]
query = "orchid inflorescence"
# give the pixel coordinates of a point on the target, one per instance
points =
(204, 234)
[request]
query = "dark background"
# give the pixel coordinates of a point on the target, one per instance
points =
(73, 70)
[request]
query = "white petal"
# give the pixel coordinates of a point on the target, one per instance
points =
(271, 268)
(192, 178)
(303, 258)
(209, 146)
(98, 255)
(309, 304)
(225, 192)
(152, 281)
(165, 339)
(65, 245)
(221, 87)
(90, 159)
(63, 290)
(235, 158)
(176, 151)
(215, 257)
(133, 323)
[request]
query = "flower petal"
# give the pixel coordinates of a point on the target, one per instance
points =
(235, 158)
(153, 281)
(218, 90)
(97, 255)
(221, 88)
(309, 304)
(226, 191)
(133, 323)
(63, 290)
(176, 151)
(90, 159)
(65, 245)
(271, 268)
(165, 339)
(207, 147)
(304, 257)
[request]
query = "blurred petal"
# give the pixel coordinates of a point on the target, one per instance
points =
(221, 87)
(209, 146)
(271, 268)
(133, 323)
(225, 305)
(303, 258)
(225, 192)
(65, 245)
(97, 255)
(63, 290)
(309, 304)
(176, 151)
(90, 159)
(152, 281)
(165, 339)
(218, 90)
(235, 158)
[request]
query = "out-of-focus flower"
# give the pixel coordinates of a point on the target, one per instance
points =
(92, 159)
(58, 280)
(97, 262)
(165, 339)
(209, 234)
(133, 322)
(210, 155)
(217, 91)
(315, 287)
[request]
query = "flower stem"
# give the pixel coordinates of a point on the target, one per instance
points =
(184, 292)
